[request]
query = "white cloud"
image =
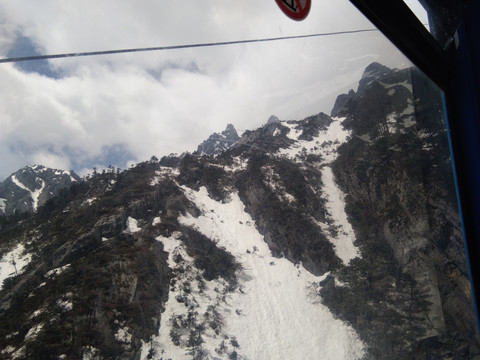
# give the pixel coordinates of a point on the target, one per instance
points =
(48, 159)
(162, 102)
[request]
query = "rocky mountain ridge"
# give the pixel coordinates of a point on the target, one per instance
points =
(218, 143)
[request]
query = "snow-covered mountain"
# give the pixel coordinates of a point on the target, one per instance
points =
(322, 238)
(218, 143)
(31, 187)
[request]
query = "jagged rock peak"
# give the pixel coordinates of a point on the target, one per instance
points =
(230, 131)
(372, 72)
(375, 70)
(273, 120)
(218, 143)
(30, 187)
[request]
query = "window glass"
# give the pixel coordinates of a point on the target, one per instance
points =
(282, 199)
(419, 11)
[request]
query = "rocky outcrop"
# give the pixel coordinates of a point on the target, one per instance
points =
(342, 103)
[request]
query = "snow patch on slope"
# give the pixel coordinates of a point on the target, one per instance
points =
(272, 314)
(90, 353)
(19, 184)
(3, 204)
(33, 332)
(69, 173)
(56, 272)
(325, 144)
(123, 335)
(294, 131)
(35, 194)
(343, 236)
(132, 226)
(238, 164)
(89, 201)
(14, 258)
(163, 173)
(405, 84)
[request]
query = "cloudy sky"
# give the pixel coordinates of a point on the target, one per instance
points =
(78, 113)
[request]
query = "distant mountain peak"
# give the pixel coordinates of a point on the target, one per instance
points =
(31, 186)
(376, 68)
(230, 127)
(219, 142)
(273, 120)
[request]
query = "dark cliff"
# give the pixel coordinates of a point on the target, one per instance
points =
(410, 290)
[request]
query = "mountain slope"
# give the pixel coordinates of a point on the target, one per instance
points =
(272, 299)
(112, 234)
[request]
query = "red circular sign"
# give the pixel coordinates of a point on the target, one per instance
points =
(295, 9)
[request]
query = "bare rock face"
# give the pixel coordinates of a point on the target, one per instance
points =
(393, 170)
(342, 103)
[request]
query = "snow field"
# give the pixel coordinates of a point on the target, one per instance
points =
(343, 240)
(325, 144)
(273, 313)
